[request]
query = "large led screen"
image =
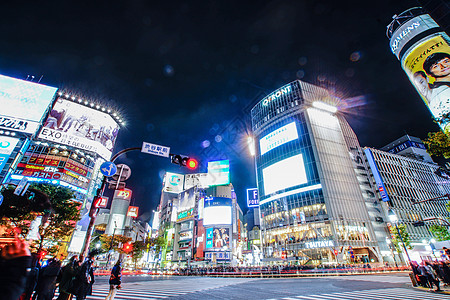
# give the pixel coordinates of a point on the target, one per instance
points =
(81, 127)
(278, 137)
(284, 174)
(218, 172)
(221, 237)
(217, 211)
(23, 103)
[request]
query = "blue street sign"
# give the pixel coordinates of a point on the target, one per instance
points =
(108, 169)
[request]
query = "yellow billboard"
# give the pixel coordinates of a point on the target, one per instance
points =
(428, 68)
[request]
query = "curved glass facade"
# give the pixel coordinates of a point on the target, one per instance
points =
(312, 209)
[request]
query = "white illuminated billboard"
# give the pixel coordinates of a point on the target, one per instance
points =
(217, 211)
(81, 127)
(23, 103)
(199, 179)
(278, 137)
(284, 174)
(217, 215)
(218, 172)
(173, 183)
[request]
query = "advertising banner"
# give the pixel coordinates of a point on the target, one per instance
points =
(252, 197)
(199, 179)
(23, 103)
(81, 127)
(428, 68)
(278, 137)
(124, 194)
(7, 145)
(377, 175)
(209, 238)
(173, 183)
(221, 237)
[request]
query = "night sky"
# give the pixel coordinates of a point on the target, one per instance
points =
(186, 75)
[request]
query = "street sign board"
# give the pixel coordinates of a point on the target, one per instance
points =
(19, 189)
(108, 169)
(155, 149)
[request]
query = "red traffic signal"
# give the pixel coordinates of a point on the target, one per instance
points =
(192, 164)
(127, 247)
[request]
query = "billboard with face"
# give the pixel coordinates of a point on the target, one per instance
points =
(428, 68)
(221, 237)
(81, 127)
(23, 103)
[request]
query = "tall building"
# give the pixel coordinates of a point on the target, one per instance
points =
(312, 206)
(403, 180)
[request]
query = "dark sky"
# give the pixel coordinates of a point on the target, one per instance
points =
(186, 75)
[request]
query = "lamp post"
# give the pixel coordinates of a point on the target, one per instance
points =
(393, 218)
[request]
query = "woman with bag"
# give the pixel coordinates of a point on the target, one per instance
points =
(114, 280)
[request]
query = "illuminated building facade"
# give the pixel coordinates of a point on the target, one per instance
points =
(313, 202)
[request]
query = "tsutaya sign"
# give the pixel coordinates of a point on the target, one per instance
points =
(319, 244)
(277, 94)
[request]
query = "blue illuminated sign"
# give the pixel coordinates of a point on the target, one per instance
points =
(209, 237)
(217, 201)
(376, 175)
(252, 197)
(406, 145)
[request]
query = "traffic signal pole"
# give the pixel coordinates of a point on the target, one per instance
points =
(93, 211)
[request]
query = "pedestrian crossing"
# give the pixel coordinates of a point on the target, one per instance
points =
(163, 289)
(375, 294)
(376, 278)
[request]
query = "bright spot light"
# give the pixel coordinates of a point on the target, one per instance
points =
(432, 241)
(251, 145)
(324, 106)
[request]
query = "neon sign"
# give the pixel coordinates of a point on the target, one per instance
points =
(275, 95)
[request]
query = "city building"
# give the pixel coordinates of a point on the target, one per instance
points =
(312, 182)
(405, 177)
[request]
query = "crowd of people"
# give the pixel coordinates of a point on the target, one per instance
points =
(431, 273)
(24, 276)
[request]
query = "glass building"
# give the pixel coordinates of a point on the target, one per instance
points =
(312, 201)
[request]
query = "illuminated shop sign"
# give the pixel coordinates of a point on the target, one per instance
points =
(124, 194)
(173, 183)
(277, 94)
(220, 255)
(23, 103)
(278, 137)
(185, 214)
(319, 244)
(252, 198)
(209, 237)
(406, 145)
(133, 211)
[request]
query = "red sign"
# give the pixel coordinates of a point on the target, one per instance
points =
(123, 194)
(75, 167)
(133, 211)
(101, 202)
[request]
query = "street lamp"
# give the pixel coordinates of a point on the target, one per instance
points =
(393, 218)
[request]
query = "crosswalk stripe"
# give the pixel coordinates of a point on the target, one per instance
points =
(382, 294)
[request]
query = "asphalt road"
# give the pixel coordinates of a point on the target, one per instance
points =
(383, 286)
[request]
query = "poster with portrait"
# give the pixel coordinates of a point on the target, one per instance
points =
(428, 68)
(221, 237)
(81, 127)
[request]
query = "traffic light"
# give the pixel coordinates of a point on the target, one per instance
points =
(335, 252)
(419, 223)
(184, 161)
(127, 247)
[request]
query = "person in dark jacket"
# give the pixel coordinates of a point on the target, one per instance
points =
(46, 286)
(114, 280)
(32, 277)
(68, 273)
(15, 261)
(82, 285)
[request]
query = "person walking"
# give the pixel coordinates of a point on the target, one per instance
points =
(46, 285)
(68, 273)
(114, 280)
(82, 285)
(426, 270)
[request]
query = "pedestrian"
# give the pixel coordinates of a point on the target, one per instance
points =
(32, 277)
(46, 285)
(84, 279)
(15, 259)
(426, 270)
(114, 280)
(68, 273)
